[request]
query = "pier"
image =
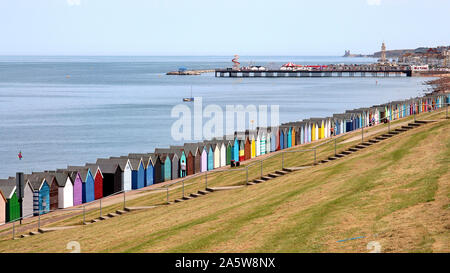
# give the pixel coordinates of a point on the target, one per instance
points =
(230, 73)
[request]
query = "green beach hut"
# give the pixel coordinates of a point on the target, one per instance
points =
(8, 187)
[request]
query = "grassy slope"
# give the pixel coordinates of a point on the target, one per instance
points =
(396, 192)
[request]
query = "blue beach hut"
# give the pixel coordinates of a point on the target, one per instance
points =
(41, 192)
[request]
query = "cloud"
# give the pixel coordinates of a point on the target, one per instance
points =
(73, 2)
(373, 2)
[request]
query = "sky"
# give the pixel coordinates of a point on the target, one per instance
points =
(214, 27)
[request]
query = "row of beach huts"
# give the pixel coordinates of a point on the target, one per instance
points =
(63, 188)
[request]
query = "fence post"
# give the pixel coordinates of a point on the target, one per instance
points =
(335, 146)
(123, 199)
(262, 168)
(446, 111)
(84, 215)
(362, 134)
(183, 187)
(314, 156)
(282, 160)
(100, 207)
(14, 230)
(246, 175)
(39, 219)
(167, 191)
(206, 180)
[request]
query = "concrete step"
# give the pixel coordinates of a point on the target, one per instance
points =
(178, 200)
(50, 229)
(287, 169)
(112, 214)
(194, 195)
(225, 188)
(202, 192)
(414, 124)
(120, 212)
(265, 178)
(421, 121)
(209, 189)
(366, 144)
(257, 181)
(353, 149)
(393, 133)
(281, 172)
(341, 155)
(400, 130)
(186, 197)
(274, 175)
(130, 209)
(293, 169)
(104, 217)
(387, 135)
(32, 233)
(373, 141)
(346, 152)
(380, 138)
(95, 220)
(24, 235)
(360, 147)
(332, 158)
(407, 127)
(251, 183)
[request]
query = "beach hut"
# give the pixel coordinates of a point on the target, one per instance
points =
(183, 162)
(3, 209)
(137, 171)
(75, 177)
(253, 143)
(127, 176)
(149, 169)
(247, 147)
(235, 152)
(112, 175)
(64, 185)
(27, 200)
(88, 182)
(192, 157)
(278, 139)
(229, 153)
(217, 154)
(223, 153)
(175, 157)
(65, 189)
(157, 170)
(9, 207)
(204, 162)
(166, 166)
(274, 140)
(210, 156)
(98, 180)
(53, 191)
(41, 193)
(282, 138)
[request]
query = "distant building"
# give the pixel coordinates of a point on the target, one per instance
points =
(383, 59)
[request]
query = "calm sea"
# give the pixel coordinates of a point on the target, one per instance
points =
(72, 110)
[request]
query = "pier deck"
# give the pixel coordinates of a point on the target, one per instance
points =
(229, 73)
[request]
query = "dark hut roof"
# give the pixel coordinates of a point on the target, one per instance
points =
(8, 186)
(36, 179)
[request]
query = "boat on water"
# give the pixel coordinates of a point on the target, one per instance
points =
(191, 98)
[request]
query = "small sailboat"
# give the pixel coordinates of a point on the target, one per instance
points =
(190, 98)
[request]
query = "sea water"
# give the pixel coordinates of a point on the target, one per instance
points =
(72, 110)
